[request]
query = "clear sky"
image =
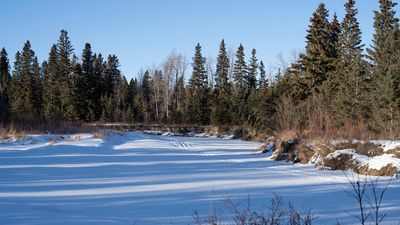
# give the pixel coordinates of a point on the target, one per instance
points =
(142, 33)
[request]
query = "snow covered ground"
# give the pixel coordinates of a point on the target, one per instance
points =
(140, 179)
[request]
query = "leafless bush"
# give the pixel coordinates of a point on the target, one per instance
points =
(243, 214)
(368, 194)
(375, 199)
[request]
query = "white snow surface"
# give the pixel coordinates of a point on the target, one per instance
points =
(387, 145)
(135, 178)
(376, 162)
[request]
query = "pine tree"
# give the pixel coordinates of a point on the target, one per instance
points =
(198, 110)
(111, 74)
(145, 91)
(65, 51)
(24, 84)
(380, 53)
(130, 101)
(178, 103)
(384, 23)
(252, 71)
(37, 89)
(318, 60)
(263, 78)
(222, 92)
(240, 93)
(76, 105)
(5, 78)
(89, 80)
(51, 89)
(351, 80)
(99, 86)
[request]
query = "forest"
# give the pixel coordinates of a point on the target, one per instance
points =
(336, 86)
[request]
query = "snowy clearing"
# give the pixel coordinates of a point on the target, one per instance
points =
(135, 178)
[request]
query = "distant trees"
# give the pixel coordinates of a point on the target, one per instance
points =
(332, 85)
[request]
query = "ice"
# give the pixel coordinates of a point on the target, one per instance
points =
(134, 178)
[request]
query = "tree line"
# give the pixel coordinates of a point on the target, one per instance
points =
(336, 82)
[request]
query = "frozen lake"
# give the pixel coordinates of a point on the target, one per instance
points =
(139, 179)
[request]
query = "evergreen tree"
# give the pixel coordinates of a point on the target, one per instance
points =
(146, 97)
(318, 60)
(351, 80)
(240, 93)
(252, 71)
(65, 50)
(98, 86)
(37, 89)
(130, 101)
(5, 78)
(198, 110)
(25, 81)
(76, 109)
(111, 74)
(89, 81)
(178, 103)
(222, 90)
(263, 78)
(51, 87)
(381, 52)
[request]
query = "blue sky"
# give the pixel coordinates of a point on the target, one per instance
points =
(143, 33)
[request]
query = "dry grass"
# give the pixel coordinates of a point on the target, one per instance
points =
(19, 129)
(388, 170)
(342, 162)
(395, 152)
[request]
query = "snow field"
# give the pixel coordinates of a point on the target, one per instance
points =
(135, 178)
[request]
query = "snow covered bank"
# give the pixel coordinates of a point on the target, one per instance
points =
(377, 158)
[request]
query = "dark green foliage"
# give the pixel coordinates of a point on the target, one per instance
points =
(5, 78)
(240, 88)
(64, 50)
(178, 103)
(263, 78)
(51, 87)
(252, 71)
(350, 79)
(222, 93)
(384, 60)
(26, 84)
(145, 98)
(197, 108)
(317, 62)
(76, 109)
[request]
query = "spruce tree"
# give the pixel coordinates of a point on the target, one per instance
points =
(5, 78)
(24, 84)
(178, 103)
(222, 92)
(263, 78)
(65, 51)
(99, 85)
(51, 89)
(198, 110)
(317, 61)
(111, 74)
(88, 94)
(240, 93)
(145, 94)
(380, 53)
(75, 104)
(252, 71)
(351, 80)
